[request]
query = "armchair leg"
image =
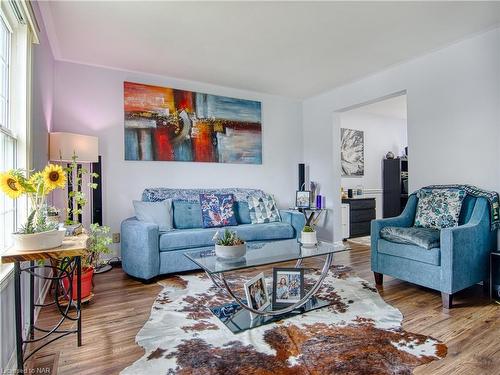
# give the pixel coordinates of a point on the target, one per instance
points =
(379, 278)
(447, 300)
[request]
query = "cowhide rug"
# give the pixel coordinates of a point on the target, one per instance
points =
(358, 334)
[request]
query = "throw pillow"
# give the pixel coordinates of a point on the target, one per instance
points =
(438, 208)
(155, 212)
(263, 209)
(217, 210)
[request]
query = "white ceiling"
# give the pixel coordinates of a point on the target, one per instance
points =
(296, 49)
(393, 107)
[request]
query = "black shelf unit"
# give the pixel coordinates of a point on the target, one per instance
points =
(395, 186)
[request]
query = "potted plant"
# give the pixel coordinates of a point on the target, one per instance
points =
(229, 245)
(308, 236)
(97, 245)
(77, 195)
(37, 233)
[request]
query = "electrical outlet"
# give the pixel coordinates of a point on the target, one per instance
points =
(116, 237)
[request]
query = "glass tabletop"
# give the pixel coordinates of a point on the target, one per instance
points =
(263, 253)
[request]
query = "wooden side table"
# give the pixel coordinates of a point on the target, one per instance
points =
(68, 263)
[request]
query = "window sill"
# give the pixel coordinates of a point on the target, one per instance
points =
(6, 274)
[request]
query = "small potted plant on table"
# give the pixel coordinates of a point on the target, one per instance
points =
(308, 236)
(229, 245)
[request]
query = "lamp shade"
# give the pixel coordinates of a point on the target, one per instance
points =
(62, 147)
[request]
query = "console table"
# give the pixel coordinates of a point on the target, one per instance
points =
(67, 263)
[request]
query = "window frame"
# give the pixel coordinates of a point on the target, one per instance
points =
(19, 19)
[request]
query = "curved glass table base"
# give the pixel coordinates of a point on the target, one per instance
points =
(219, 280)
(237, 315)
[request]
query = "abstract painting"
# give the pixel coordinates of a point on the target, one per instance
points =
(163, 123)
(352, 158)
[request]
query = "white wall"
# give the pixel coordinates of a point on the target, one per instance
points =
(89, 100)
(381, 134)
(453, 119)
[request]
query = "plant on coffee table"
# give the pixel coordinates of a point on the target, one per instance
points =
(229, 245)
(308, 236)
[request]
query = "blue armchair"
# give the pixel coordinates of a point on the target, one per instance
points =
(460, 261)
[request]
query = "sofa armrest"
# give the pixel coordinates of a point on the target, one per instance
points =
(465, 251)
(139, 248)
(295, 218)
(406, 219)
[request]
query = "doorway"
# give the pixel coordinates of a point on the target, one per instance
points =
(374, 163)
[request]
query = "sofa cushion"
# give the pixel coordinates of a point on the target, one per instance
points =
(159, 213)
(263, 209)
(198, 237)
(242, 213)
(187, 215)
(416, 253)
(217, 210)
(427, 238)
(438, 208)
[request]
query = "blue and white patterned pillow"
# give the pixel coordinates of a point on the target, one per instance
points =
(263, 209)
(438, 208)
(217, 210)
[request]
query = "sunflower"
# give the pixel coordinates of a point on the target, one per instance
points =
(54, 177)
(10, 184)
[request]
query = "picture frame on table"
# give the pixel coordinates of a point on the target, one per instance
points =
(288, 286)
(303, 199)
(256, 294)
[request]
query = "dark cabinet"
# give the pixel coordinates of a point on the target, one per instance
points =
(361, 213)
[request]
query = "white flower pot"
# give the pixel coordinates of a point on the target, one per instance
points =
(228, 252)
(39, 241)
(308, 238)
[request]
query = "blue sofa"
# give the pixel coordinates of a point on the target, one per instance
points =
(460, 261)
(146, 252)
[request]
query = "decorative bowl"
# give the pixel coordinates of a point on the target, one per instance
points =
(231, 252)
(39, 241)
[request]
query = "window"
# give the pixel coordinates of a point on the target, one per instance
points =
(17, 33)
(7, 137)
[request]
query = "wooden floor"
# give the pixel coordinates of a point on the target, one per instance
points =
(122, 305)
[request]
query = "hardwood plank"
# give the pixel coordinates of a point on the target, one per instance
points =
(122, 305)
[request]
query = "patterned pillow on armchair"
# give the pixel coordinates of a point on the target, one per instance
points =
(263, 209)
(217, 210)
(438, 208)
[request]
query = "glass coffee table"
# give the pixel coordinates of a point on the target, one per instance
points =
(239, 316)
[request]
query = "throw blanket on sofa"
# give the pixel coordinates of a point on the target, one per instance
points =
(491, 196)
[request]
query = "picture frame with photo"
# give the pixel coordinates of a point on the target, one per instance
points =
(303, 199)
(288, 286)
(256, 294)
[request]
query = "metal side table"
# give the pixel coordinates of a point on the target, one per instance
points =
(66, 263)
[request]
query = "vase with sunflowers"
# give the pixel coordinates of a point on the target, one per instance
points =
(37, 232)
